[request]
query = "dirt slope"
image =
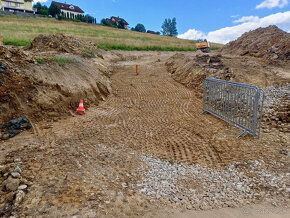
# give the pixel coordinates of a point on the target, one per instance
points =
(50, 89)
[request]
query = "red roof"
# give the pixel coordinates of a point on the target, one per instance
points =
(68, 7)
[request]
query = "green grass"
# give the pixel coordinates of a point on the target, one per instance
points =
(16, 42)
(62, 60)
(21, 31)
(108, 46)
(40, 60)
(88, 53)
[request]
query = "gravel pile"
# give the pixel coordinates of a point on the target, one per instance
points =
(277, 108)
(198, 187)
(274, 94)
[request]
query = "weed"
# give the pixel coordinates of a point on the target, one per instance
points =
(40, 60)
(62, 60)
(88, 53)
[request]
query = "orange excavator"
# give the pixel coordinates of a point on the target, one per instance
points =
(203, 45)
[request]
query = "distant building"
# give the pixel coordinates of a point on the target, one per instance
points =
(17, 6)
(69, 10)
(117, 20)
(152, 32)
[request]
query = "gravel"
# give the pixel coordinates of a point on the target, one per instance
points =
(274, 94)
(199, 187)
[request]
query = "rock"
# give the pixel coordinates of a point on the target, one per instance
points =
(18, 170)
(22, 187)
(11, 184)
(274, 203)
(15, 175)
(19, 197)
(9, 197)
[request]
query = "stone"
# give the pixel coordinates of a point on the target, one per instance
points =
(22, 187)
(18, 170)
(12, 184)
(19, 197)
(15, 175)
(9, 197)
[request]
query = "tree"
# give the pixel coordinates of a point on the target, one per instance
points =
(169, 27)
(37, 6)
(140, 28)
(41, 9)
(54, 10)
(121, 24)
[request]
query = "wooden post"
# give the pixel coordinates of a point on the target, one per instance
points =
(136, 69)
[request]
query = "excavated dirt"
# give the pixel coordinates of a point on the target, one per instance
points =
(61, 43)
(143, 148)
(270, 43)
(49, 90)
(94, 165)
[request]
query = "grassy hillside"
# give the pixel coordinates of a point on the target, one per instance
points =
(20, 31)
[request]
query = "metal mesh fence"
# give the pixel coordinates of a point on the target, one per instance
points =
(235, 103)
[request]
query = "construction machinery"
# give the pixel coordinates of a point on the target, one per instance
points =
(203, 45)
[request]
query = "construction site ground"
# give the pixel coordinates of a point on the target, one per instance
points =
(111, 162)
(97, 164)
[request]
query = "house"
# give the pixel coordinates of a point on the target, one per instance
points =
(69, 10)
(153, 32)
(116, 20)
(17, 6)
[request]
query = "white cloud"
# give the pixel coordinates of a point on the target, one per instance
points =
(246, 19)
(41, 1)
(193, 34)
(272, 4)
(227, 34)
(235, 16)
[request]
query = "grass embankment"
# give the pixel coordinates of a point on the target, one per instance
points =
(20, 31)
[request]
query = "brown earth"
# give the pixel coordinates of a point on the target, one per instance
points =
(61, 43)
(89, 165)
(270, 43)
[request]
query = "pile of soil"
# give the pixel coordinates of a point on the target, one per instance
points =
(61, 43)
(49, 90)
(270, 43)
(191, 71)
(13, 56)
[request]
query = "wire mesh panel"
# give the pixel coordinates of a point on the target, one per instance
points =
(235, 103)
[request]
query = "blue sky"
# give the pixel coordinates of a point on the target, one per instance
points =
(219, 21)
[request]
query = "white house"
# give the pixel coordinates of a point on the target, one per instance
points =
(69, 10)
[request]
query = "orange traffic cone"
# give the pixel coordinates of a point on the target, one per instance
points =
(81, 110)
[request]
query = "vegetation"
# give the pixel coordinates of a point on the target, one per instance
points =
(40, 60)
(169, 27)
(88, 53)
(62, 60)
(54, 10)
(41, 9)
(21, 31)
(139, 28)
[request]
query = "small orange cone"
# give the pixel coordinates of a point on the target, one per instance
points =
(81, 110)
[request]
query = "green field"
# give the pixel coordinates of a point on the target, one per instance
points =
(21, 31)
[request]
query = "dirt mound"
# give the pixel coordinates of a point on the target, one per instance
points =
(270, 43)
(191, 71)
(48, 90)
(61, 43)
